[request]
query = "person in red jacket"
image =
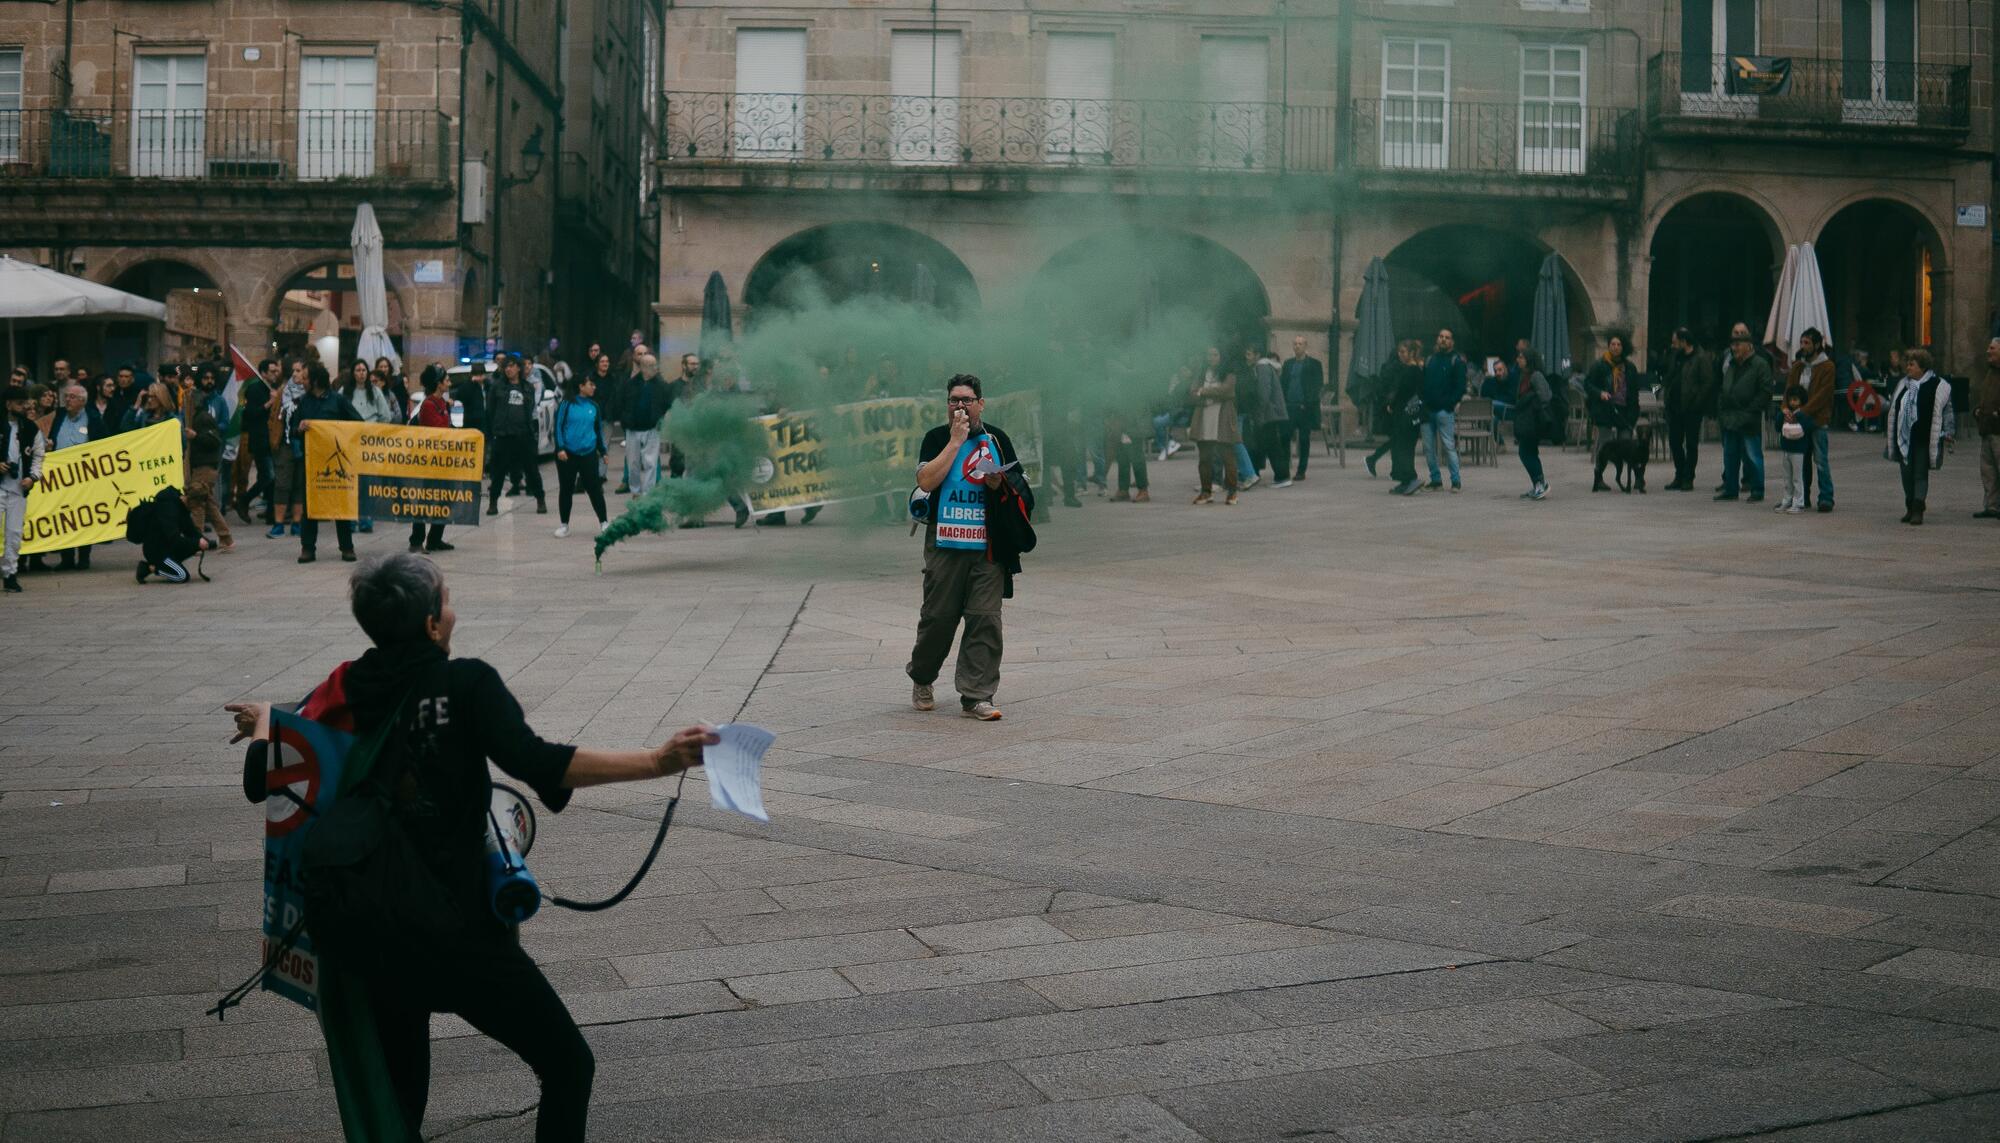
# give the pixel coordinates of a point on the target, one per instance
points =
(434, 413)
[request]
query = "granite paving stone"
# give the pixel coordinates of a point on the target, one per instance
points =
(1323, 818)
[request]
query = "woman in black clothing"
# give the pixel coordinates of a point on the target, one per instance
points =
(1401, 410)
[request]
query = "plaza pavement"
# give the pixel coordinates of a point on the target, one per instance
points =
(1331, 816)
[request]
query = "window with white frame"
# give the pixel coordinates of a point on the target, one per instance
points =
(1416, 102)
(1235, 98)
(10, 105)
(1878, 73)
(1076, 84)
(169, 115)
(767, 120)
(1711, 32)
(923, 97)
(1552, 109)
(336, 116)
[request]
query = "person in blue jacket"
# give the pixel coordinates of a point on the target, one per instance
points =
(579, 452)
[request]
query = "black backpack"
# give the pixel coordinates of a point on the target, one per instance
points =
(139, 521)
(372, 904)
(1555, 414)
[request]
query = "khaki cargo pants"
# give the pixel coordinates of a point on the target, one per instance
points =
(960, 585)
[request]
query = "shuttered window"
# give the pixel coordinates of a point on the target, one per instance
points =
(1235, 88)
(10, 105)
(770, 90)
(923, 103)
(1077, 85)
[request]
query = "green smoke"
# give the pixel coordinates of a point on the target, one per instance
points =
(720, 446)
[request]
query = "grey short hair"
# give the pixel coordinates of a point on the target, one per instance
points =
(394, 595)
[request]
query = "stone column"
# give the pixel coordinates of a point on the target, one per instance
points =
(250, 333)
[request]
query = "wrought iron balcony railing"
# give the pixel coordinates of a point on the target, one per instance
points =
(262, 146)
(1687, 88)
(1417, 133)
(924, 131)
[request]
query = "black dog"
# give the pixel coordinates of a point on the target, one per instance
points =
(1629, 458)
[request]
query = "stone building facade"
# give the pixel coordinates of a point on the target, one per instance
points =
(1288, 144)
(223, 146)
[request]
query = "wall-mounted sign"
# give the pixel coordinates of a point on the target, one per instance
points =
(1972, 215)
(195, 315)
(429, 271)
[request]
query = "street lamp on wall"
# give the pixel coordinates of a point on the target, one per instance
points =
(531, 161)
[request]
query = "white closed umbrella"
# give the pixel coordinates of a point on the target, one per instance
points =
(367, 242)
(34, 294)
(1800, 303)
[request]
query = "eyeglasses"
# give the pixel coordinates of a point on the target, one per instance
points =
(962, 401)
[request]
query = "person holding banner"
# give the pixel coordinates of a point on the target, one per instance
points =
(433, 413)
(448, 719)
(78, 423)
(21, 448)
(321, 403)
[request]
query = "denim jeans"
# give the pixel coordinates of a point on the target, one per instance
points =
(1441, 428)
(1530, 447)
(1742, 462)
(1163, 424)
(642, 459)
(1822, 469)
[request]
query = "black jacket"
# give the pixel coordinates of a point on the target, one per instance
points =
(1689, 382)
(460, 714)
(1597, 385)
(168, 531)
(1306, 376)
(647, 399)
(510, 409)
(471, 396)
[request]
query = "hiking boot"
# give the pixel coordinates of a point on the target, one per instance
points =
(983, 711)
(922, 697)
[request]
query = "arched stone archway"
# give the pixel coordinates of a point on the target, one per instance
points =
(1715, 260)
(844, 260)
(1480, 282)
(320, 299)
(1883, 264)
(198, 311)
(1121, 281)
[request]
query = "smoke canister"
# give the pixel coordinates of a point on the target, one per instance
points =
(510, 834)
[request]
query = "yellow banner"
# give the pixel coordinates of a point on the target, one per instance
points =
(87, 490)
(869, 448)
(397, 472)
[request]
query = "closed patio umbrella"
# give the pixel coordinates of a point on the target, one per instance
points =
(1374, 332)
(715, 323)
(1800, 304)
(1550, 333)
(33, 294)
(367, 242)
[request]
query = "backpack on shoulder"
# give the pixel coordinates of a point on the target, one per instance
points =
(1555, 413)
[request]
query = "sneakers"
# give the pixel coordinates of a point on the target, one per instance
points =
(1142, 497)
(1173, 446)
(1407, 488)
(1783, 506)
(1206, 498)
(277, 532)
(440, 546)
(1435, 485)
(603, 526)
(1228, 500)
(922, 698)
(1539, 492)
(562, 531)
(1795, 509)
(1247, 485)
(1455, 489)
(1370, 462)
(982, 710)
(1288, 484)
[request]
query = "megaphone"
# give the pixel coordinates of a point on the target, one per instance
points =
(510, 834)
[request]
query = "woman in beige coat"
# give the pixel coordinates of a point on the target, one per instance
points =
(1214, 427)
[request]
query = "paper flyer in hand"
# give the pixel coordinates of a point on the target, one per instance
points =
(735, 769)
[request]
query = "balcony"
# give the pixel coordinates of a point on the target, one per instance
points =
(250, 146)
(990, 134)
(1825, 99)
(1533, 150)
(221, 177)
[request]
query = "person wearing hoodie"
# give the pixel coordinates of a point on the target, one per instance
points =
(1921, 425)
(510, 432)
(320, 403)
(1813, 371)
(449, 718)
(167, 537)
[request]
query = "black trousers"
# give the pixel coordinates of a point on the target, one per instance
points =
(343, 532)
(426, 535)
(1684, 442)
(1277, 437)
(499, 990)
(1304, 422)
(264, 484)
(1402, 450)
(514, 455)
(578, 472)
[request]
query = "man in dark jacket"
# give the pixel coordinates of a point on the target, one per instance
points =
(321, 403)
(648, 397)
(451, 718)
(1303, 380)
(1740, 408)
(1612, 389)
(957, 465)
(1444, 388)
(204, 463)
(253, 406)
(510, 432)
(1687, 386)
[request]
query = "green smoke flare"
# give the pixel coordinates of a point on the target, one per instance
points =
(720, 446)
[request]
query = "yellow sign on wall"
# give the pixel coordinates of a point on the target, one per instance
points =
(87, 490)
(396, 472)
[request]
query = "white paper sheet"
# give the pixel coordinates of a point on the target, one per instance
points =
(735, 767)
